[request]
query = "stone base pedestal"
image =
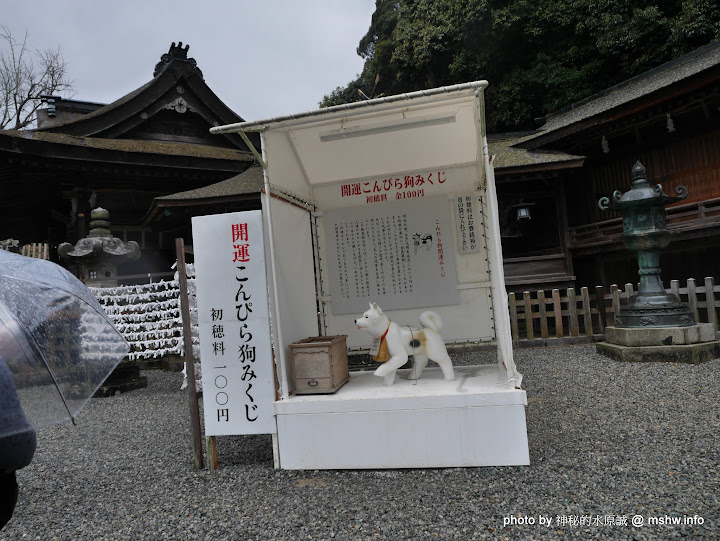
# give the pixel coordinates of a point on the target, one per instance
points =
(174, 363)
(476, 420)
(690, 344)
(126, 377)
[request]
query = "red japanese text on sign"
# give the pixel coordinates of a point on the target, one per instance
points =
(239, 232)
(241, 252)
(393, 184)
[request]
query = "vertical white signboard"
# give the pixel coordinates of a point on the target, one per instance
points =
(235, 351)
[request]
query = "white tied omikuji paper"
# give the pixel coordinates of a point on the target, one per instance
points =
(148, 316)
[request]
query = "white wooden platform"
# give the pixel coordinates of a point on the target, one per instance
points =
(476, 420)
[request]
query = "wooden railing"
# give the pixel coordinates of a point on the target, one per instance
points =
(687, 217)
(543, 315)
(38, 250)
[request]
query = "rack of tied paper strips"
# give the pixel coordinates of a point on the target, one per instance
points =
(148, 316)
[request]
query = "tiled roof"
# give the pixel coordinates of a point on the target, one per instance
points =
(507, 156)
(132, 145)
(248, 182)
(634, 88)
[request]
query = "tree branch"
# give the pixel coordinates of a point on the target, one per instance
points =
(25, 75)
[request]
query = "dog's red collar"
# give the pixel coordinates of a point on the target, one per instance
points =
(380, 350)
(382, 338)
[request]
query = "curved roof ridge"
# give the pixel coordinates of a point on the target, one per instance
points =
(641, 85)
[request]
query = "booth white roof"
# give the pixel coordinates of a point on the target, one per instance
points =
(254, 125)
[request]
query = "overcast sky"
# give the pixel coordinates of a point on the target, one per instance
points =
(263, 58)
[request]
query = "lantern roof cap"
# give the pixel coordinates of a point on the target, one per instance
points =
(643, 194)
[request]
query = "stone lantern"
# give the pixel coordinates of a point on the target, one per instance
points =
(652, 325)
(645, 232)
(99, 254)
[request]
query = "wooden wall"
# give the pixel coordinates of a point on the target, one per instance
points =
(691, 161)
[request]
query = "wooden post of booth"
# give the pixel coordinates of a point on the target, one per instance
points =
(189, 361)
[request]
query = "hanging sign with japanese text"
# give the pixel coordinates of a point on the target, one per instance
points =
(468, 227)
(233, 316)
(400, 255)
(395, 188)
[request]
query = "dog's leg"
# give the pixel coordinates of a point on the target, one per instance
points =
(389, 379)
(446, 367)
(436, 350)
(390, 366)
(418, 366)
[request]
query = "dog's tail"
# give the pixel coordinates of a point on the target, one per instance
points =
(431, 320)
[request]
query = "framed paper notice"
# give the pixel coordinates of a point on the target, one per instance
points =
(398, 254)
(468, 235)
(235, 350)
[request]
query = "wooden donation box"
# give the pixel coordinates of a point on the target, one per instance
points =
(320, 364)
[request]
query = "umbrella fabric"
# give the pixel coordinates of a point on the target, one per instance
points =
(55, 338)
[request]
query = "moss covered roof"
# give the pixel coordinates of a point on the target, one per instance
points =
(635, 88)
(248, 182)
(133, 145)
(509, 157)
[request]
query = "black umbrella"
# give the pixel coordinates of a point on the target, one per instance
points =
(55, 338)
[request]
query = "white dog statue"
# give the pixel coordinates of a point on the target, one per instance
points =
(393, 343)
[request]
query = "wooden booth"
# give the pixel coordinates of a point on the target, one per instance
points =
(390, 201)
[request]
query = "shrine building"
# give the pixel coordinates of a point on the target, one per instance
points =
(150, 160)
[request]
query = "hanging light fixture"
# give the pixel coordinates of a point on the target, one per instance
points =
(605, 145)
(670, 124)
(522, 210)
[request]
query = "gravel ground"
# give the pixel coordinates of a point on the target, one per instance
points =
(607, 440)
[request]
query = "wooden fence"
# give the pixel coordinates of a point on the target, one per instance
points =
(38, 250)
(539, 315)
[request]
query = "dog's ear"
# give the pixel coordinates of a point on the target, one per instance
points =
(371, 305)
(379, 310)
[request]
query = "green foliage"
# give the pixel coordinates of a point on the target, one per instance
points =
(538, 55)
(376, 48)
